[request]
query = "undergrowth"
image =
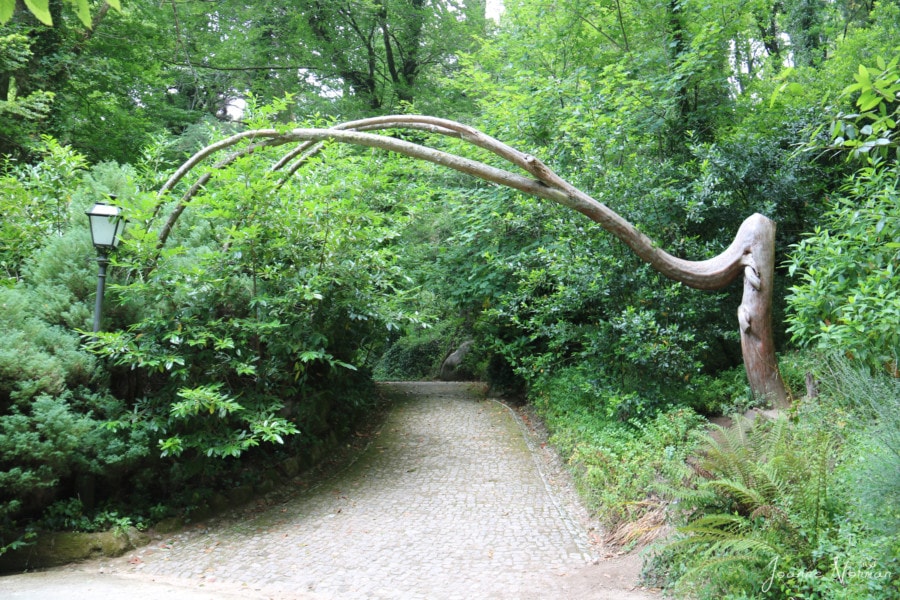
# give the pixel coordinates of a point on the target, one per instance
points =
(803, 506)
(615, 462)
(806, 505)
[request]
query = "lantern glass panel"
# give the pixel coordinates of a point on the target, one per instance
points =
(106, 225)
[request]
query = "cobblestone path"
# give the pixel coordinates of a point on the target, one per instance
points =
(448, 501)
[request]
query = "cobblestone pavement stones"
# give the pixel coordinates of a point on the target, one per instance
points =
(451, 500)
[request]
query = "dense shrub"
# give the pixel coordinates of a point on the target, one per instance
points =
(257, 305)
(35, 201)
(847, 293)
(52, 421)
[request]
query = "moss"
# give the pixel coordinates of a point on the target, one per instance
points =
(60, 548)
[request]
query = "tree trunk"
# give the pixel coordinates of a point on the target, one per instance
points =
(755, 317)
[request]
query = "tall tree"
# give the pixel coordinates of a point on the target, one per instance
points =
(109, 90)
(162, 67)
(372, 53)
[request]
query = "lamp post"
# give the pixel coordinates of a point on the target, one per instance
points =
(107, 226)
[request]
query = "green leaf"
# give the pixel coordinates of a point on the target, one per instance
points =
(7, 8)
(83, 10)
(863, 76)
(41, 10)
(867, 101)
(310, 355)
(115, 4)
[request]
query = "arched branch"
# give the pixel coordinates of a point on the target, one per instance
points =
(751, 253)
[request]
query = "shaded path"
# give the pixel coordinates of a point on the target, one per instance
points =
(447, 502)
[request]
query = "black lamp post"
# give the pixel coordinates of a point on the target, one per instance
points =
(107, 226)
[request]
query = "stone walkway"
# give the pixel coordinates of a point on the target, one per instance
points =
(449, 501)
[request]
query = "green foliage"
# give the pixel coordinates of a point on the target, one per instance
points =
(724, 393)
(662, 137)
(230, 435)
(794, 508)
(846, 294)
(872, 130)
(49, 442)
(36, 357)
(111, 93)
(96, 88)
(41, 10)
(763, 502)
(875, 475)
(574, 295)
(71, 515)
(417, 355)
(20, 115)
(257, 306)
(35, 201)
(52, 421)
(615, 463)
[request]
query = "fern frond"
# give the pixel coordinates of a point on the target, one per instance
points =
(718, 522)
(724, 457)
(712, 530)
(768, 482)
(704, 567)
(770, 512)
(777, 436)
(718, 561)
(748, 498)
(750, 547)
(723, 536)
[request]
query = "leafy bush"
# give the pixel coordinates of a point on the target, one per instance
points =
(35, 202)
(847, 294)
(871, 131)
(577, 296)
(725, 393)
(36, 357)
(264, 296)
(848, 291)
(53, 424)
(56, 444)
(71, 515)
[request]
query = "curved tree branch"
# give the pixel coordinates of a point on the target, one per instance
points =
(751, 253)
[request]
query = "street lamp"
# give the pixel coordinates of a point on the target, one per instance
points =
(107, 225)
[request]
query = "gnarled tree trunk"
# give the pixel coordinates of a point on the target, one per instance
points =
(752, 253)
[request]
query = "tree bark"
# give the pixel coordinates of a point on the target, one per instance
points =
(752, 253)
(755, 315)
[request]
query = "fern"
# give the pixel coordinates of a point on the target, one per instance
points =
(746, 497)
(760, 496)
